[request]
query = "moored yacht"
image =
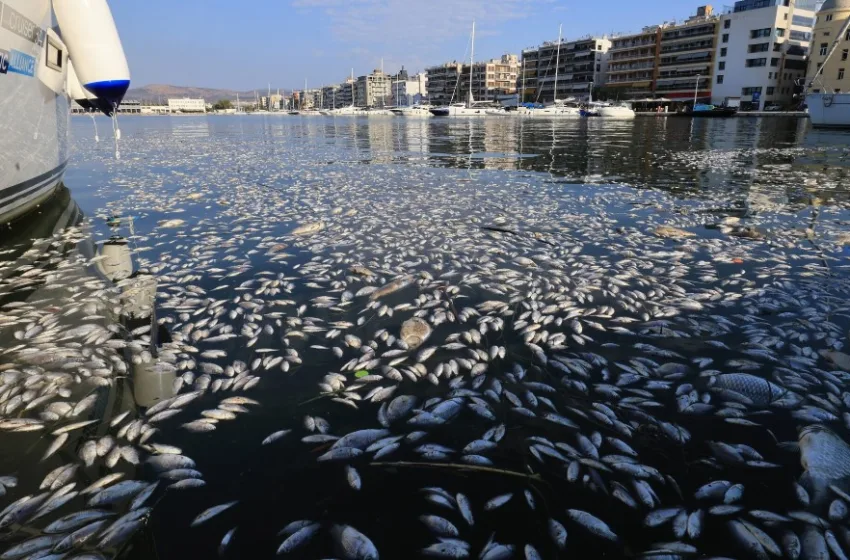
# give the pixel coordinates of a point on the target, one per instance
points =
(39, 39)
(619, 111)
(413, 111)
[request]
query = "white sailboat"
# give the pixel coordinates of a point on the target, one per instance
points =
(468, 109)
(560, 108)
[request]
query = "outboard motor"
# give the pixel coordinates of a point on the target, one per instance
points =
(89, 32)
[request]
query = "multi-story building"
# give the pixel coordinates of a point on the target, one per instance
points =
(491, 80)
(187, 105)
(442, 83)
(409, 90)
(273, 103)
(373, 90)
(579, 64)
(761, 54)
(834, 76)
(685, 62)
(632, 64)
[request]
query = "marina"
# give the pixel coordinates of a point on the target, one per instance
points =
(437, 338)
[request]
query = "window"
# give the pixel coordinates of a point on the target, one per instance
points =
(774, 62)
(770, 75)
(780, 32)
(758, 33)
(725, 37)
(847, 36)
(720, 78)
(723, 51)
(721, 65)
(844, 54)
(829, 17)
(759, 47)
(53, 59)
(770, 91)
(727, 24)
(750, 90)
(755, 62)
(824, 47)
(803, 21)
(841, 73)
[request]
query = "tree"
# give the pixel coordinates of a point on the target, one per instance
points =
(222, 105)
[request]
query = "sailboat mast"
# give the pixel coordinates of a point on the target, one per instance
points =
(471, 64)
(557, 63)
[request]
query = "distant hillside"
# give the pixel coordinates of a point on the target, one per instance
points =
(156, 91)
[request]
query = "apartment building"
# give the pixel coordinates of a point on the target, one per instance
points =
(761, 55)
(685, 62)
(373, 90)
(442, 82)
(834, 76)
(579, 64)
(492, 80)
(632, 64)
(409, 90)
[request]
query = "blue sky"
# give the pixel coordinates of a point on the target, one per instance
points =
(245, 45)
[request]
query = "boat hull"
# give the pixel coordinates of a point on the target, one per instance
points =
(829, 110)
(616, 113)
(458, 112)
(34, 111)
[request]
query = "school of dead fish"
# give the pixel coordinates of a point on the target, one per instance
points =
(584, 348)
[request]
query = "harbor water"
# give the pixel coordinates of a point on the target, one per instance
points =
(396, 338)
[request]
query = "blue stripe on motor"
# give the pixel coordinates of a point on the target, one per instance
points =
(110, 90)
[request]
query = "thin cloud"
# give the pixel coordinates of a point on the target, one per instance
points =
(402, 26)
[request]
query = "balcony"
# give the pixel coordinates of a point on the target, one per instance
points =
(616, 46)
(699, 45)
(683, 85)
(688, 33)
(645, 77)
(643, 53)
(690, 72)
(613, 68)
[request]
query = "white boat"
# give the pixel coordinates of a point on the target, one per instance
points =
(829, 110)
(376, 112)
(559, 110)
(351, 110)
(619, 111)
(37, 44)
(413, 111)
(460, 110)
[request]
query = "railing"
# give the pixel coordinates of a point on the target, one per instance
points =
(688, 33)
(630, 56)
(681, 62)
(641, 78)
(623, 68)
(615, 46)
(683, 48)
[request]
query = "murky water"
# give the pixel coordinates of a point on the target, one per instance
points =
(607, 301)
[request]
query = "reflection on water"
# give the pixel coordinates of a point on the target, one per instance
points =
(592, 294)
